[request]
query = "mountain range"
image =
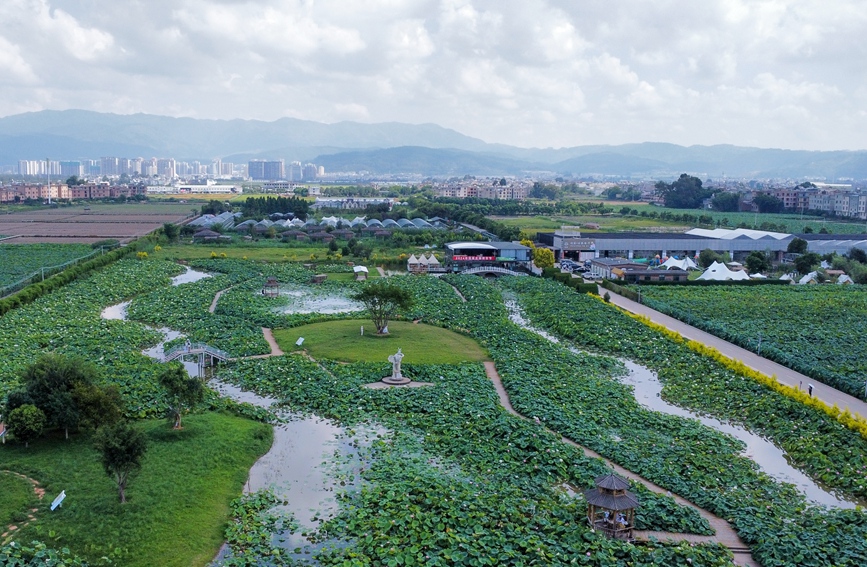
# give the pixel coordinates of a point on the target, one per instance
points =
(391, 148)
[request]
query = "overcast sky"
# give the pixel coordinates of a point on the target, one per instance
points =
(543, 73)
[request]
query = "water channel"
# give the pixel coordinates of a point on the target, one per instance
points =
(647, 390)
(309, 461)
(304, 466)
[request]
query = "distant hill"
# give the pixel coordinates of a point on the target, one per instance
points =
(389, 148)
(426, 161)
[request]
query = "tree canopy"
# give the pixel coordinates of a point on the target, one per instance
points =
(797, 246)
(685, 193)
(122, 448)
(757, 262)
(768, 203)
(543, 258)
(26, 423)
(725, 201)
(182, 390)
(382, 301)
(64, 389)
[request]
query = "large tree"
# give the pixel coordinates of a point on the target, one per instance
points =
(383, 300)
(685, 193)
(768, 203)
(122, 448)
(797, 246)
(757, 262)
(51, 382)
(182, 390)
(725, 201)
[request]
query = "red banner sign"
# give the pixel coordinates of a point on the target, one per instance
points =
(474, 258)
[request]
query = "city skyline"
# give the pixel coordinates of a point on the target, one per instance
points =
(536, 73)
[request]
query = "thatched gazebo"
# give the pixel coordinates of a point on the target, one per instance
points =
(611, 508)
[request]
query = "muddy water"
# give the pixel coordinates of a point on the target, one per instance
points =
(301, 468)
(189, 276)
(770, 458)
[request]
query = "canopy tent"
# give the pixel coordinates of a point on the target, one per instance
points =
(719, 272)
(685, 264)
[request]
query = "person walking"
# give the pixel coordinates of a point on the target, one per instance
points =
(810, 390)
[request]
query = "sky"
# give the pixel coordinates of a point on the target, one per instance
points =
(529, 73)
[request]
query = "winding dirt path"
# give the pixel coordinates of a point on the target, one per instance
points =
(6, 536)
(725, 534)
(220, 293)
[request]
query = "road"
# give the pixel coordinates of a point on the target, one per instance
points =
(783, 374)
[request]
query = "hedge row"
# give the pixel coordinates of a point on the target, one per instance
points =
(566, 279)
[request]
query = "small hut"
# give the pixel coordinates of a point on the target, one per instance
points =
(611, 508)
(271, 288)
(360, 273)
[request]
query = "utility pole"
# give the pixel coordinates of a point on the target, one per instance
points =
(48, 174)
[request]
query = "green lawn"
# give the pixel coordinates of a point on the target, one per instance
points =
(271, 252)
(342, 340)
(16, 497)
(178, 504)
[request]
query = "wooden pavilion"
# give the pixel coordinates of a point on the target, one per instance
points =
(272, 288)
(611, 507)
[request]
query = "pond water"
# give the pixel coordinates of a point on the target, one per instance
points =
(189, 276)
(771, 459)
(306, 300)
(118, 312)
(302, 466)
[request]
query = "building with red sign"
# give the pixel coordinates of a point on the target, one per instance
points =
(461, 256)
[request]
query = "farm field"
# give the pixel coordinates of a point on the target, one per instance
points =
(607, 223)
(453, 477)
(77, 225)
(815, 330)
(18, 261)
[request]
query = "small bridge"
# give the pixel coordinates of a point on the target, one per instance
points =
(205, 355)
(494, 270)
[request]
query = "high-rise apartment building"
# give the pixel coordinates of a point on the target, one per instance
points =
(70, 168)
(109, 166)
(295, 172)
(166, 167)
(262, 170)
(310, 172)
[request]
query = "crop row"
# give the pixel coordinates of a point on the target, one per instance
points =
(772, 518)
(814, 330)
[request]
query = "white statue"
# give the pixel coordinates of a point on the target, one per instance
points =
(395, 359)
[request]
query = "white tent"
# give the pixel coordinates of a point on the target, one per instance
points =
(758, 276)
(433, 260)
(812, 277)
(719, 272)
(684, 264)
(844, 279)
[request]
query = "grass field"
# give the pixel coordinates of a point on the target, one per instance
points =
(342, 340)
(178, 504)
(16, 497)
(607, 223)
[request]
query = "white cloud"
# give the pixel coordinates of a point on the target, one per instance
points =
(777, 73)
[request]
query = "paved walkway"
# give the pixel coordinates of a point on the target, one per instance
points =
(783, 374)
(725, 534)
(217, 298)
(381, 271)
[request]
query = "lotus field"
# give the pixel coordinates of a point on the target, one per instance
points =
(815, 330)
(20, 260)
(454, 479)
